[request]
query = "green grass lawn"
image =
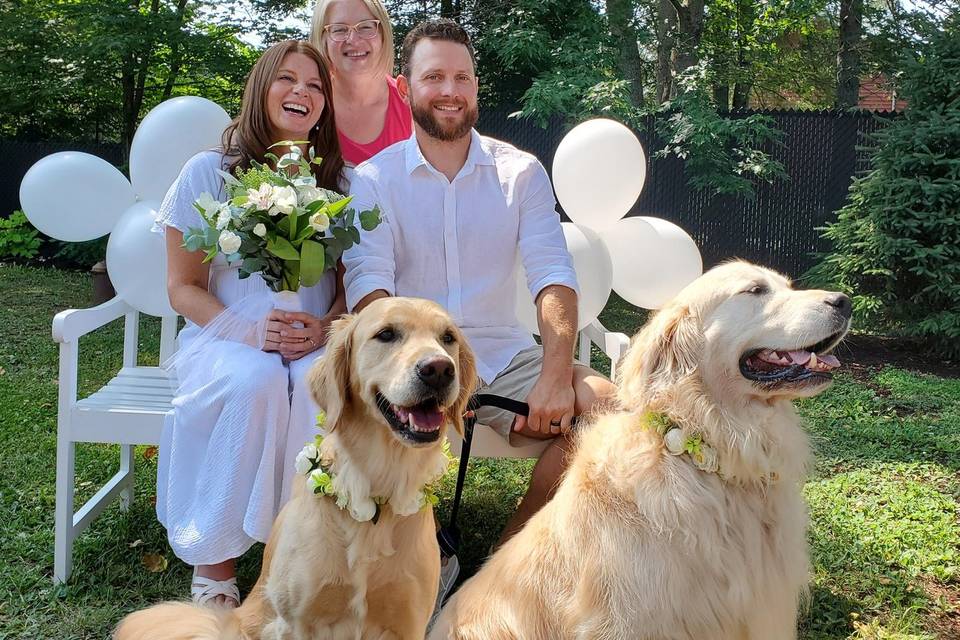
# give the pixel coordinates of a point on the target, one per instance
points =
(883, 497)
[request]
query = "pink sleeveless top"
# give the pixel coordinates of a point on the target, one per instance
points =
(397, 126)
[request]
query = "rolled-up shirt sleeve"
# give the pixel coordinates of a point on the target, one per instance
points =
(369, 265)
(543, 248)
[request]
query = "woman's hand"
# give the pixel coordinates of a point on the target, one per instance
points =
(275, 325)
(297, 342)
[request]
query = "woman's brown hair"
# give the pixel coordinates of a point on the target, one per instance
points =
(249, 135)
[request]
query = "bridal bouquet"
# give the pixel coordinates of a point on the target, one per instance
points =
(278, 222)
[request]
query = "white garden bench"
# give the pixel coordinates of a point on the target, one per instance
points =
(130, 409)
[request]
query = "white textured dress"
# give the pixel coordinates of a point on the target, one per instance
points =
(240, 414)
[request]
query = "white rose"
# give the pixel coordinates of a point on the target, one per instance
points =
(674, 441)
(320, 222)
(284, 200)
(310, 450)
(229, 242)
(363, 509)
(262, 198)
(260, 229)
(302, 463)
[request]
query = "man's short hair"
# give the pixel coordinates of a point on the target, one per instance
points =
(436, 29)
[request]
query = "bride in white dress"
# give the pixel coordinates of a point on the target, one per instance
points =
(242, 411)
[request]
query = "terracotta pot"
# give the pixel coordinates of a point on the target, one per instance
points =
(102, 287)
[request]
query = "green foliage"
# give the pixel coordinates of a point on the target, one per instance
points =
(724, 155)
(87, 70)
(18, 238)
(80, 255)
(897, 241)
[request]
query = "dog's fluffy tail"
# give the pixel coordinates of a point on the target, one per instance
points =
(180, 621)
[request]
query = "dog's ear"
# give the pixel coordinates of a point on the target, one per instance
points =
(467, 372)
(667, 349)
(329, 378)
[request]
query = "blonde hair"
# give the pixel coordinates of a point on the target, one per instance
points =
(318, 35)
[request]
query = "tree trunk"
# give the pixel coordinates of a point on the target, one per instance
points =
(176, 52)
(620, 19)
(666, 24)
(848, 54)
(721, 95)
(690, 29)
(741, 95)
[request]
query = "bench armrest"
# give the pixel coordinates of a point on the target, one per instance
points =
(70, 324)
(612, 343)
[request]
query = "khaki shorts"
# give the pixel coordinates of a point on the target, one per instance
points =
(516, 382)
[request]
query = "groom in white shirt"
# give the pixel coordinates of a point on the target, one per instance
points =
(459, 209)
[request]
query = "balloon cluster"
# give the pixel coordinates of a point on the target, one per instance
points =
(75, 196)
(598, 174)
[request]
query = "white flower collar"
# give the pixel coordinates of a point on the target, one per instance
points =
(703, 455)
(322, 481)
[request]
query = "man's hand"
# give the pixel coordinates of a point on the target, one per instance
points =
(551, 403)
(296, 342)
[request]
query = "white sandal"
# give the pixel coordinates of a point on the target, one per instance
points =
(203, 589)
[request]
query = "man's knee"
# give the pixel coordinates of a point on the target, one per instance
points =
(591, 389)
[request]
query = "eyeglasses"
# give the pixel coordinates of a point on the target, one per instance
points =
(366, 29)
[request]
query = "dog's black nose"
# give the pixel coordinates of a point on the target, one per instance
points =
(436, 373)
(841, 303)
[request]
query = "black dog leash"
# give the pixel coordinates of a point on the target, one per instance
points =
(449, 536)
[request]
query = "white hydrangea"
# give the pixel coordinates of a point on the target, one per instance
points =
(223, 216)
(208, 203)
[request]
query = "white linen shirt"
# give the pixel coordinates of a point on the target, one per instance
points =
(459, 243)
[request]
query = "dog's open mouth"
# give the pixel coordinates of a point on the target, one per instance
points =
(792, 366)
(419, 424)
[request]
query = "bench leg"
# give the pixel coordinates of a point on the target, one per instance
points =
(63, 513)
(126, 468)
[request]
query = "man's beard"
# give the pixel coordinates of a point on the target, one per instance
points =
(425, 117)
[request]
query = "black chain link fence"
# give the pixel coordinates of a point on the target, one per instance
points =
(820, 151)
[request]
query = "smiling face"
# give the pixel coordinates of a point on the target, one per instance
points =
(296, 98)
(441, 89)
(402, 364)
(355, 55)
(762, 336)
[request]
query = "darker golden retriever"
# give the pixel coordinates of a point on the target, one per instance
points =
(358, 558)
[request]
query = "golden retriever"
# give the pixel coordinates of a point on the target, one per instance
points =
(393, 378)
(707, 542)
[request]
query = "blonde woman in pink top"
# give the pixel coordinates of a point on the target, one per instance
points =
(356, 38)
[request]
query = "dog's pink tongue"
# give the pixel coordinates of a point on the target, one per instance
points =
(799, 357)
(427, 419)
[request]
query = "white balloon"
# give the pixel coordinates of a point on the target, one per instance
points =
(598, 172)
(591, 261)
(653, 259)
(137, 261)
(74, 196)
(173, 132)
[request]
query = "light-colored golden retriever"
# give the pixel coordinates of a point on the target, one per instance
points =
(705, 544)
(394, 377)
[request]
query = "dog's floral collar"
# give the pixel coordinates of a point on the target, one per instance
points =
(321, 481)
(703, 456)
